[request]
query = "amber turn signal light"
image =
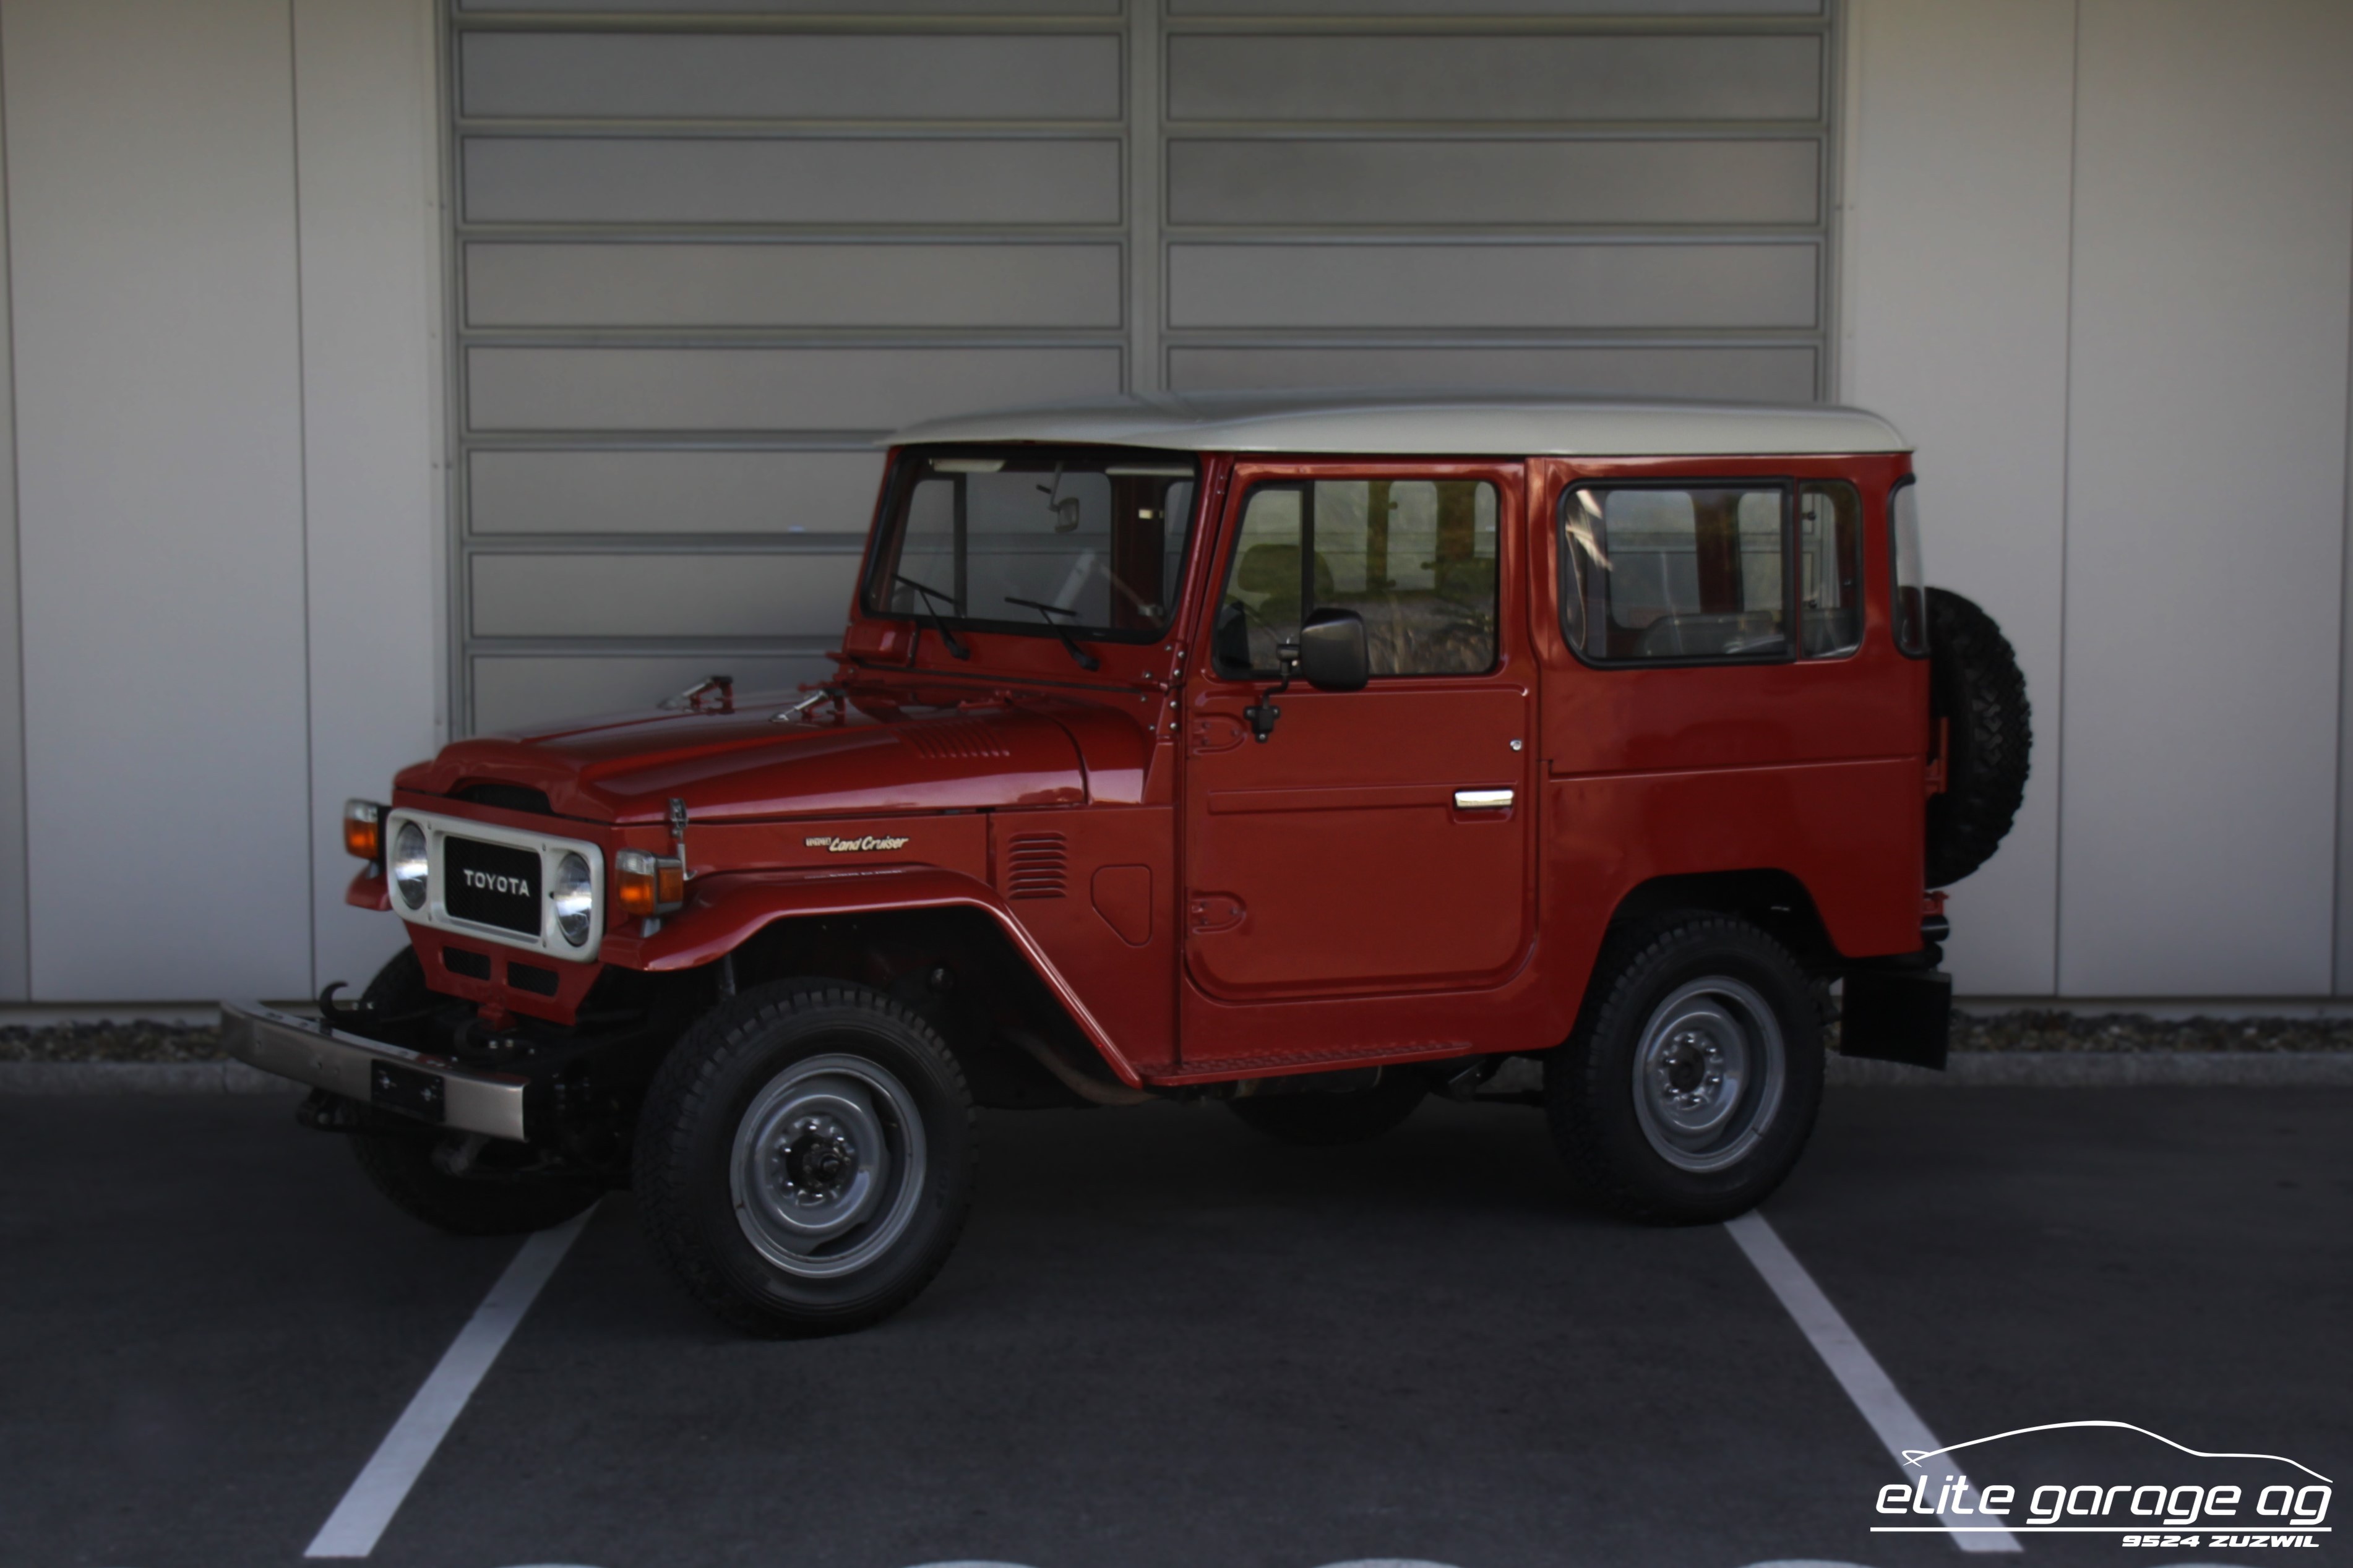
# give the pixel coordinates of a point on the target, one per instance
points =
(363, 830)
(646, 884)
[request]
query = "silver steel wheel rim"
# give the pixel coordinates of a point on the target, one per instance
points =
(827, 1166)
(1708, 1074)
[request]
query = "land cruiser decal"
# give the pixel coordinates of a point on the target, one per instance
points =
(851, 846)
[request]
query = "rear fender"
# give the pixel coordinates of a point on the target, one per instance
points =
(723, 911)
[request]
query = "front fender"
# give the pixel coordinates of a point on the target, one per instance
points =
(727, 910)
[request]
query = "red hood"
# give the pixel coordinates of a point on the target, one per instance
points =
(745, 764)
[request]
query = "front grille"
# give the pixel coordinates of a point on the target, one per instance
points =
(472, 965)
(1037, 866)
(530, 977)
(491, 884)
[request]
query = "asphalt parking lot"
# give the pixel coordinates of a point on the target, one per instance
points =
(1167, 1343)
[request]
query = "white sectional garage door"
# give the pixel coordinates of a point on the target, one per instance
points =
(707, 252)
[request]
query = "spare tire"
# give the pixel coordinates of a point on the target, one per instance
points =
(1976, 687)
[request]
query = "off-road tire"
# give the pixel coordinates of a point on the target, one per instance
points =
(1591, 1088)
(400, 1164)
(704, 1106)
(1976, 687)
(1325, 1121)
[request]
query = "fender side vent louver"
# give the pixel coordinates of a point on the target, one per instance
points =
(1037, 866)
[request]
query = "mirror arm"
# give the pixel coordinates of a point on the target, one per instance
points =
(1262, 713)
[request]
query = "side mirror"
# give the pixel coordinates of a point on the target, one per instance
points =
(1332, 653)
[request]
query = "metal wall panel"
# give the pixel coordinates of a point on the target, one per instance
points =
(646, 596)
(16, 955)
(370, 238)
(159, 465)
(1533, 77)
(1389, 182)
(1002, 183)
(655, 491)
(789, 75)
(706, 251)
(806, 285)
(2205, 497)
(1536, 286)
(1955, 315)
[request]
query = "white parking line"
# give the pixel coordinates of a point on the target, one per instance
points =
(1891, 1416)
(359, 1521)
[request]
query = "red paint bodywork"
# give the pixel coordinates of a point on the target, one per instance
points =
(1210, 907)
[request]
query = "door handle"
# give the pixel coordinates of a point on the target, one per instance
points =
(1482, 799)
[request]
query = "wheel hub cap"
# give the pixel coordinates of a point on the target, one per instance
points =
(1707, 1073)
(828, 1165)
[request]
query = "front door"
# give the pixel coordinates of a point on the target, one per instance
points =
(1376, 841)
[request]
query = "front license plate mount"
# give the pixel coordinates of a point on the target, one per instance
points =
(409, 1090)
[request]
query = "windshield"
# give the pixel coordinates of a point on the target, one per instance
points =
(1020, 539)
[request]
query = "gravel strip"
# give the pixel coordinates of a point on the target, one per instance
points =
(110, 1042)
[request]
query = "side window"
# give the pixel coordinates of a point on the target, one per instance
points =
(1418, 559)
(1667, 572)
(1829, 569)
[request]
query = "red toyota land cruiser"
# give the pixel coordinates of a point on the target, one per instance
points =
(1310, 756)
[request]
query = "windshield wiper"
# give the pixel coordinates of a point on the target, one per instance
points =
(932, 616)
(1047, 612)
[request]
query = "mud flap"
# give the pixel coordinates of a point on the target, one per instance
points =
(1897, 1015)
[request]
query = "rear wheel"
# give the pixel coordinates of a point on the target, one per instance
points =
(1690, 1088)
(499, 1194)
(1326, 1119)
(804, 1158)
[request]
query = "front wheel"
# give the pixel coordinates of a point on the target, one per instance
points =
(1690, 1088)
(805, 1156)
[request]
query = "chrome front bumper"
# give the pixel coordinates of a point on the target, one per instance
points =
(308, 1052)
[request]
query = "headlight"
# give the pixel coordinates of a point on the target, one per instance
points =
(407, 866)
(574, 898)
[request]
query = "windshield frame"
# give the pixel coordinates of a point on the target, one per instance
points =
(876, 593)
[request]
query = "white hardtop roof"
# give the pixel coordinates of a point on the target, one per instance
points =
(1406, 423)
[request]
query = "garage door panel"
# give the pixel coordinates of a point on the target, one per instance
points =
(700, 264)
(1487, 7)
(789, 75)
(802, 285)
(1390, 181)
(639, 491)
(523, 693)
(1764, 374)
(1539, 285)
(1002, 181)
(877, 8)
(645, 596)
(1533, 77)
(767, 388)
